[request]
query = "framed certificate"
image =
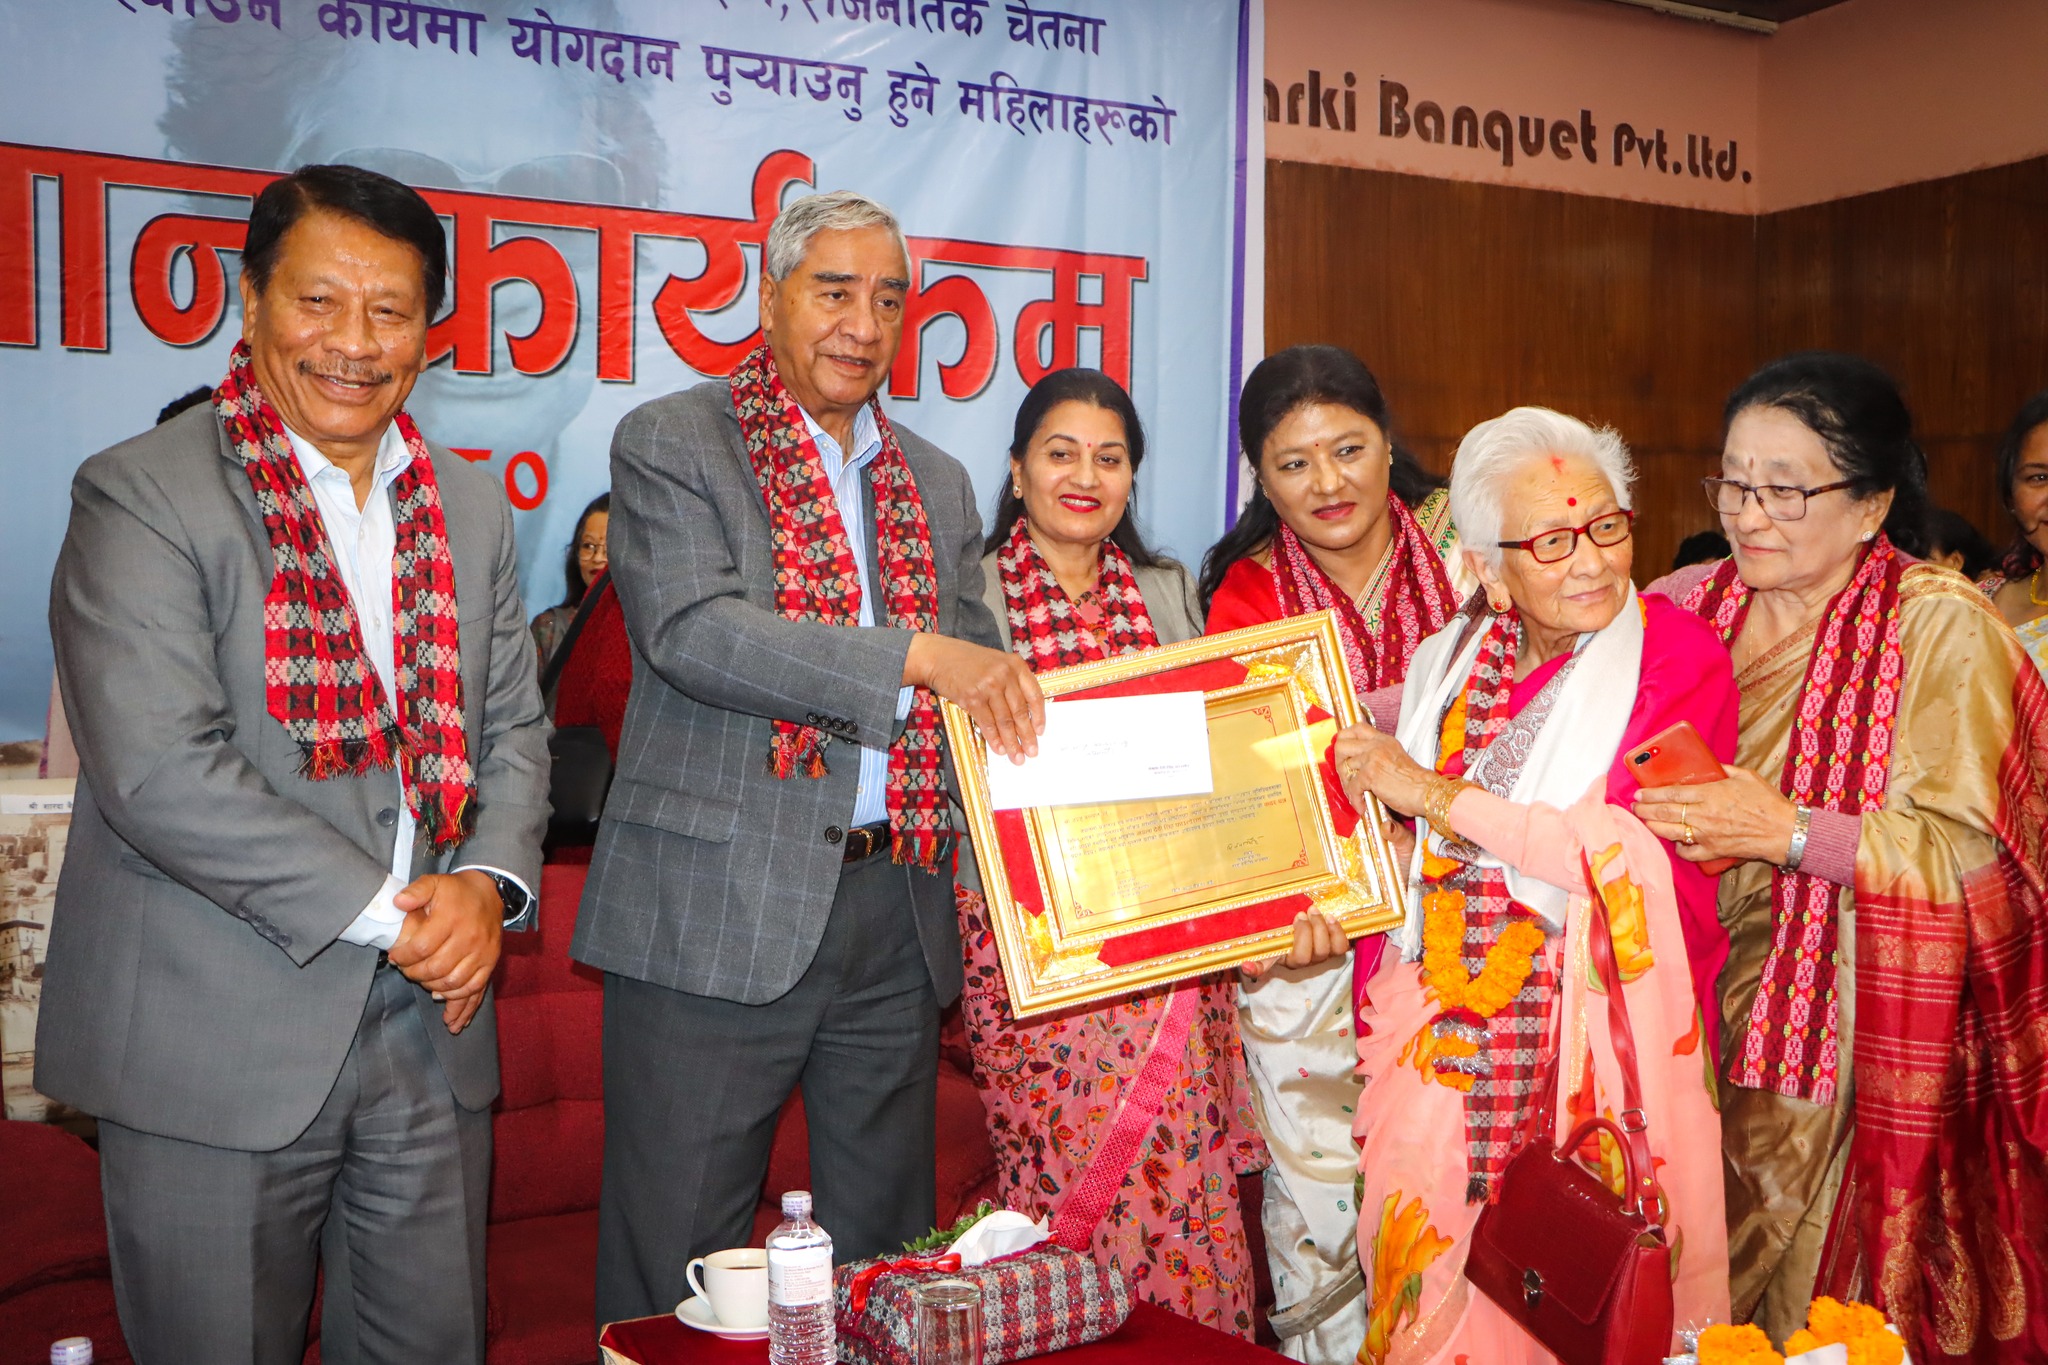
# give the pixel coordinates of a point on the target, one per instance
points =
(1089, 901)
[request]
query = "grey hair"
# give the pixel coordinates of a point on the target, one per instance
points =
(1494, 450)
(789, 237)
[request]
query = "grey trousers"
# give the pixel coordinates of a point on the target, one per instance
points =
(693, 1084)
(214, 1250)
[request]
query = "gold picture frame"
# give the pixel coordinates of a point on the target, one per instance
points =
(1093, 901)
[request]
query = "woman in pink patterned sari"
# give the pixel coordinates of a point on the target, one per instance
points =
(1127, 1124)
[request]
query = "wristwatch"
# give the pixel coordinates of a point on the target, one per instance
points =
(1802, 825)
(517, 899)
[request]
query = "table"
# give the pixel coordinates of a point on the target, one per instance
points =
(1150, 1334)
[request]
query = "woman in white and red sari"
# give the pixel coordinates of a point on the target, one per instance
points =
(1343, 520)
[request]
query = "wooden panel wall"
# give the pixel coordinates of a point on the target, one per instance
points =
(1945, 284)
(1467, 299)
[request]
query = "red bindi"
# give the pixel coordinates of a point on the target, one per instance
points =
(1571, 502)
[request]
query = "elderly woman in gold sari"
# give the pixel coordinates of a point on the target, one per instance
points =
(1883, 1109)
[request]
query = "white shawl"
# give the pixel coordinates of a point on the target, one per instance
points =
(1573, 750)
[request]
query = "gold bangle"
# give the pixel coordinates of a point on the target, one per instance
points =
(1436, 806)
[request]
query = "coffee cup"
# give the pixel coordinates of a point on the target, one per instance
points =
(735, 1284)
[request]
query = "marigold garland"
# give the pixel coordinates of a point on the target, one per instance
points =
(1858, 1326)
(1724, 1344)
(1501, 976)
(1467, 1001)
(1829, 1322)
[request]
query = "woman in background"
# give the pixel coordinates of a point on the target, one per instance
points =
(2017, 587)
(1339, 518)
(585, 564)
(1070, 580)
(1954, 543)
(1884, 1098)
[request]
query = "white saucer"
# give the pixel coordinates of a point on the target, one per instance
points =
(694, 1312)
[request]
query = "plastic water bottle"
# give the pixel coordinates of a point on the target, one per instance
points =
(71, 1351)
(800, 1330)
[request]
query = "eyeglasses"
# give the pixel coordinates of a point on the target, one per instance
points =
(590, 549)
(1780, 501)
(1609, 528)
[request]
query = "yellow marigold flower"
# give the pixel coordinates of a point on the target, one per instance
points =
(1877, 1348)
(1833, 1322)
(1727, 1344)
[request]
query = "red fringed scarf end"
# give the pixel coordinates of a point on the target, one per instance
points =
(818, 579)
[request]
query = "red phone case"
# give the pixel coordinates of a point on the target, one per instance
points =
(1679, 757)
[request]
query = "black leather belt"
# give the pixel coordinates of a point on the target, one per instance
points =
(865, 841)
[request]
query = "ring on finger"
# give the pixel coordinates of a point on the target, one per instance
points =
(1687, 838)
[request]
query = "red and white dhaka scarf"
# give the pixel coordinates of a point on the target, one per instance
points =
(1046, 628)
(817, 579)
(1419, 601)
(1839, 758)
(1513, 1042)
(318, 680)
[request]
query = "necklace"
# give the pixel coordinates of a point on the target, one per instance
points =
(2034, 587)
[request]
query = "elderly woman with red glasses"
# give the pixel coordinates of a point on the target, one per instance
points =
(1515, 722)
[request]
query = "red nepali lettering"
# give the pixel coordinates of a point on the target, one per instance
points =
(1045, 336)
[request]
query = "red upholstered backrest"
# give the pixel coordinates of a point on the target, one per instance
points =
(52, 1231)
(548, 1123)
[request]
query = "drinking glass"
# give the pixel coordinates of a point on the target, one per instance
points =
(948, 1322)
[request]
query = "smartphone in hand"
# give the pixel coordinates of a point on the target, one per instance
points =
(1679, 757)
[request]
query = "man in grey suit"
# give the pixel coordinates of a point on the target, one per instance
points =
(794, 571)
(312, 789)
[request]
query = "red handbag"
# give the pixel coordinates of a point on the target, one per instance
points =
(1584, 1271)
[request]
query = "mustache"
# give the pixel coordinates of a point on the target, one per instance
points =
(348, 374)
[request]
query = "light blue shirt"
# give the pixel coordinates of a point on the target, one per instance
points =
(364, 539)
(871, 798)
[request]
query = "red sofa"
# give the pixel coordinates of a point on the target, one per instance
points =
(549, 1132)
(54, 1280)
(550, 1143)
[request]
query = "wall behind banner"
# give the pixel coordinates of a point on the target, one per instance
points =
(1071, 176)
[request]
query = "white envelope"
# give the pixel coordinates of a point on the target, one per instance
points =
(1103, 749)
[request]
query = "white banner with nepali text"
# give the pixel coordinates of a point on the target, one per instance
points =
(1072, 177)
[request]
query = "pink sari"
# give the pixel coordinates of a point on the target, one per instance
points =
(1415, 1223)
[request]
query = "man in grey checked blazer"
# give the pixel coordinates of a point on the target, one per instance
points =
(754, 931)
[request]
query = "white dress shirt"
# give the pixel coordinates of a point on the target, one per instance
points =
(364, 540)
(871, 797)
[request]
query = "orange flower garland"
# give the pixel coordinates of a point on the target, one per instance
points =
(1856, 1325)
(1828, 1323)
(1467, 1001)
(1501, 977)
(1722, 1344)
(1502, 974)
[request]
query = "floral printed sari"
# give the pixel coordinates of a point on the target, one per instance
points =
(1417, 1188)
